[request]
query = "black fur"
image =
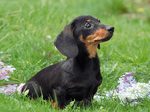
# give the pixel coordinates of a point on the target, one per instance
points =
(78, 77)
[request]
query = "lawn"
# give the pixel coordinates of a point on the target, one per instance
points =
(28, 29)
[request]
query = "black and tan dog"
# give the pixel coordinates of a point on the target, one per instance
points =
(78, 77)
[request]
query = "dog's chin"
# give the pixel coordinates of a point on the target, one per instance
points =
(100, 39)
(107, 38)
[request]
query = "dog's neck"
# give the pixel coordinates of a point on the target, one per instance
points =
(91, 49)
(81, 63)
(82, 60)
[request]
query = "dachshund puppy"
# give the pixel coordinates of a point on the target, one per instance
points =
(78, 77)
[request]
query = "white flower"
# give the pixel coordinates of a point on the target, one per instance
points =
(8, 89)
(97, 97)
(19, 88)
(129, 90)
(1, 64)
(5, 71)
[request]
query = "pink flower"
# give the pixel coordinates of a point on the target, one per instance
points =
(5, 71)
(126, 81)
(8, 89)
(11, 89)
(129, 90)
(19, 88)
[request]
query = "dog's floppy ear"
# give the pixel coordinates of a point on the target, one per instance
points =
(66, 43)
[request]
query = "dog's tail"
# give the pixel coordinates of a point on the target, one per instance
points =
(30, 89)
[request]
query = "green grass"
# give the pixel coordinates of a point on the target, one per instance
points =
(25, 25)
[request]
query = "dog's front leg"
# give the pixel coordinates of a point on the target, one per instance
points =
(83, 103)
(87, 101)
(59, 98)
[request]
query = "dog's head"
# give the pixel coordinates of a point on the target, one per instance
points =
(84, 33)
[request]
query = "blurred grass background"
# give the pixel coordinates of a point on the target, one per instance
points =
(28, 30)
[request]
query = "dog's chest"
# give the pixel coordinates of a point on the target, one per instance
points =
(79, 83)
(81, 87)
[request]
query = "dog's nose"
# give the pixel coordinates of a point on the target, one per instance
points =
(110, 29)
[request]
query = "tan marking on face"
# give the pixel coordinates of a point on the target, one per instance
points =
(97, 36)
(92, 41)
(91, 48)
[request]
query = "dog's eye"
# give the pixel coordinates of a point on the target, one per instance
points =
(88, 26)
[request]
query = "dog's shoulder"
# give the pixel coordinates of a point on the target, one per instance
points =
(67, 65)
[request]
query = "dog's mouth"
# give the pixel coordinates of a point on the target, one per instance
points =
(98, 36)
